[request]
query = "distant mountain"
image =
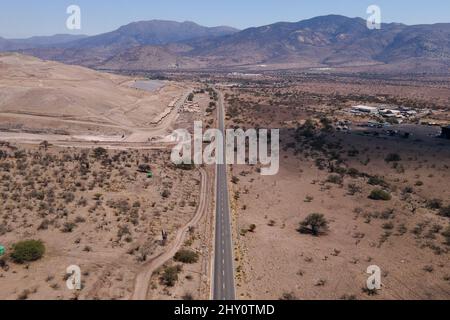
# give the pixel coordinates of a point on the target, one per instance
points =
(421, 41)
(95, 50)
(36, 42)
(327, 41)
(154, 32)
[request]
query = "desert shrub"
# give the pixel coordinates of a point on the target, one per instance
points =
(379, 194)
(186, 256)
(185, 166)
(327, 124)
(68, 227)
(288, 296)
(170, 275)
(446, 234)
(377, 181)
(82, 202)
(369, 292)
(334, 178)
(445, 211)
(306, 130)
(80, 219)
(428, 268)
(393, 157)
(252, 228)
(387, 214)
(314, 224)
(3, 229)
(97, 196)
(353, 189)
(402, 229)
(123, 230)
(137, 204)
(353, 153)
(165, 194)
(3, 263)
(24, 295)
(68, 197)
(408, 189)
(20, 154)
(144, 168)
(44, 224)
(388, 226)
(188, 296)
(27, 251)
(434, 204)
(354, 173)
(99, 152)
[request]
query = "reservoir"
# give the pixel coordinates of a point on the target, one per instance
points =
(148, 85)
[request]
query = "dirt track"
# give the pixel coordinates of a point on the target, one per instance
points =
(144, 276)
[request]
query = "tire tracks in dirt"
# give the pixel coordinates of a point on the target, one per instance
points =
(143, 278)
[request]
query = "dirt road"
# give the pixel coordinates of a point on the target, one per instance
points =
(143, 278)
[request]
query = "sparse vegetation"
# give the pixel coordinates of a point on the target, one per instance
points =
(336, 179)
(445, 211)
(393, 157)
(170, 275)
(446, 235)
(288, 296)
(434, 204)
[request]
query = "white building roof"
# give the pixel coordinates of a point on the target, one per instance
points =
(365, 108)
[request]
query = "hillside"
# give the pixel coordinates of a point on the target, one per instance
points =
(48, 97)
(327, 41)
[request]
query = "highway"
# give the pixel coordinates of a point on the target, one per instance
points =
(223, 270)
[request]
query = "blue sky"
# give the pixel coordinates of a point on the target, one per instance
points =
(23, 18)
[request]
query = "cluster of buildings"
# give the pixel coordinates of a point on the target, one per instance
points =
(399, 113)
(190, 107)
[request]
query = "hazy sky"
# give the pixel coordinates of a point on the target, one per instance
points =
(24, 18)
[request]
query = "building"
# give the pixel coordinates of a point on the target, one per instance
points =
(445, 132)
(364, 109)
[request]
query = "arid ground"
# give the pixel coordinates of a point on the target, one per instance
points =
(85, 168)
(334, 174)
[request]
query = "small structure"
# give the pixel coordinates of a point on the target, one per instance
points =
(2, 250)
(446, 132)
(364, 109)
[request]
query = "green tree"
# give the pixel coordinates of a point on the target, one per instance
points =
(186, 256)
(27, 251)
(315, 224)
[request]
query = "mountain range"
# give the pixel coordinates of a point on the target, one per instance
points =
(323, 42)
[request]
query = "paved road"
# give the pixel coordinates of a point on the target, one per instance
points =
(223, 283)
